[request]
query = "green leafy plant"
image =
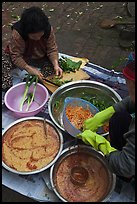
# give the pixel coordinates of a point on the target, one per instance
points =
(119, 62)
(98, 102)
(68, 65)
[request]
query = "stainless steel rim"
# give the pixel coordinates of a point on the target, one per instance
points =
(67, 150)
(77, 82)
(51, 163)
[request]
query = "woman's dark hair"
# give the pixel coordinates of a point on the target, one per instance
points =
(34, 20)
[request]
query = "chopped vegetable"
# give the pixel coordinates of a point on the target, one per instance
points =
(60, 82)
(101, 105)
(77, 115)
(97, 101)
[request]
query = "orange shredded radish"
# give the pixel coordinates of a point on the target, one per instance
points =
(77, 115)
(106, 127)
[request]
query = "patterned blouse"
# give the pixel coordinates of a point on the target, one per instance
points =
(22, 51)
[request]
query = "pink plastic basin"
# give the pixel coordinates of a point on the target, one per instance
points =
(14, 96)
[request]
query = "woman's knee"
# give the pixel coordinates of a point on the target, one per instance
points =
(118, 126)
(121, 118)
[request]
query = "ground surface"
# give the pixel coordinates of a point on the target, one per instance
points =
(77, 28)
(78, 33)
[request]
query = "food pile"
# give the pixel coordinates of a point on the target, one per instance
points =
(25, 147)
(68, 65)
(77, 115)
(96, 186)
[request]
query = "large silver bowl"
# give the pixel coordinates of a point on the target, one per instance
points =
(79, 89)
(111, 177)
(46, 166)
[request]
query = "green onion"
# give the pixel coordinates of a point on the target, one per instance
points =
(25, 93)
(31, 96)
(28, 84)
(29, 100)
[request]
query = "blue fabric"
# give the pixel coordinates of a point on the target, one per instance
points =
(131, 58)
(109, 77)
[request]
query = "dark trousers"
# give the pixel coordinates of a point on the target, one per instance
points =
(118, 125)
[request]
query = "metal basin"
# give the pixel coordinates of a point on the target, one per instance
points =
(80, 89)
(100, 182)
(34, 171)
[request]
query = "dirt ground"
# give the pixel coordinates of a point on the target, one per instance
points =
(77, 28)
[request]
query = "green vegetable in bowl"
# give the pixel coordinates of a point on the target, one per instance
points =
(29, 97)
(98, 102)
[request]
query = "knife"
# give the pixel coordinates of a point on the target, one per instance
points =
(45, 79)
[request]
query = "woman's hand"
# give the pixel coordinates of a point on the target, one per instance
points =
(34, 71)
(58, 71)
(99, 119)
(97, 141)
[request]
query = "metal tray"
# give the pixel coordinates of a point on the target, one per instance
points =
(45, 167)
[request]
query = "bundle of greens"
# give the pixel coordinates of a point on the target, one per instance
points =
(67, 65)
(29, 97)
